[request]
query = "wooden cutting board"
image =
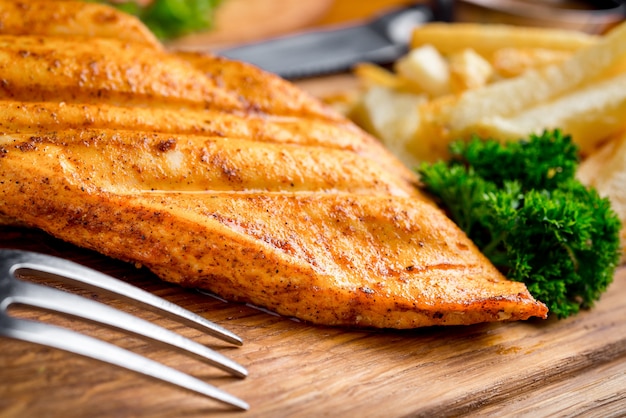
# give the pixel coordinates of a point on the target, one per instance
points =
(296, 369)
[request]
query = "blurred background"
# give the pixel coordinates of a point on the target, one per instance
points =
(241, 21)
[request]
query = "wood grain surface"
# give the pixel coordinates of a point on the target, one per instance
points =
(534, 368)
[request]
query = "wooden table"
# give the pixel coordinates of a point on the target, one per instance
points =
(534, 368)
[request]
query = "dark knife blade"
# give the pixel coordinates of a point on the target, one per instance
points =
(382, 40)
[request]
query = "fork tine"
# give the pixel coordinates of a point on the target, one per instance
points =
(59, 301)
(63, 339)
(67, 271)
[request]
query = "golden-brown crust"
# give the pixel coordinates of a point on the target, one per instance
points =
(216, 174)
(339, 259)
(71, 19)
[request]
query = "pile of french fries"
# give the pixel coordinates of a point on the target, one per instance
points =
(504, 82)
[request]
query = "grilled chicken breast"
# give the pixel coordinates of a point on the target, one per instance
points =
(215, 174)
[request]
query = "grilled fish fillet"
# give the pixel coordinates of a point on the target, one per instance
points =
(217, 175)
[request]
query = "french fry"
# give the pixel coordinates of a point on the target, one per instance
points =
(391, 116)
(468, 70)
(426, 68)
(512, 62)
(589, 115)
(461, 116)
(374, 75)
(449, 38)
(605, 170)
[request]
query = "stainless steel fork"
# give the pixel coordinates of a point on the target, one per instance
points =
(13, 290)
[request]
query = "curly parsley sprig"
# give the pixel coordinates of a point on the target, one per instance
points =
(169, 19)
(523, 207)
